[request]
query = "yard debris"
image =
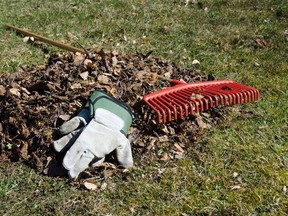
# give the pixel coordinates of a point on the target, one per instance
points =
(90, 186)
(196, 63)
(235, 187)
(285, 189)
(2, 90)
(235, 174)
(37, 100)
(164, 156)
(260, 41)
(286, 35)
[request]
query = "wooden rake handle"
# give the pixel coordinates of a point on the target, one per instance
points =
(46, 40)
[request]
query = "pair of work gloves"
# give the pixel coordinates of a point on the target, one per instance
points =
(100, 128)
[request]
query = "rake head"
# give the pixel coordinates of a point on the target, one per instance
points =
(186, 99)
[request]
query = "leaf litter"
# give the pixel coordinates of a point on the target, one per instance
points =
(36, 100)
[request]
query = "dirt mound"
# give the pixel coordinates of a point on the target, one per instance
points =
(35, 101)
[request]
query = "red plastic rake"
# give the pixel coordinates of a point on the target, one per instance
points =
(185, 99)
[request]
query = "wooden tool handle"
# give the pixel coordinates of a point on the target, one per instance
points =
(46, 40)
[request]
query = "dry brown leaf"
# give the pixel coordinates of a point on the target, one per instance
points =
(24, 151)
(286, 34)
(196, 96)
(84, 75)
(116, 70)
(206, 115)
(24, 131)
(90, 186)
(164, 156)
(154, 77)
(102, 79)
(196, 63)
(167, 75)
(235, 187)
(147, 70)
(114, 61)
(130, 65)
(26, 39)
(140, 75)
(37, 161)
(14, 85)
(261, 42)
(115, 53)
(284, 188)
(164, 128)
(87, 62)
(108, 173)
(76, 86)
(113, 91)
(25, 90)
(78, 57)
(152, 143)
(103, 186)
(172, 130)
(164, 138)
(12, 120)
(71, 36)
(178, 148)
(15, 92)
(201, 123)
(2, 90)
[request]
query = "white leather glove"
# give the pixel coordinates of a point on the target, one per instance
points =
(97, 140)
(72, 128)
(105, 133)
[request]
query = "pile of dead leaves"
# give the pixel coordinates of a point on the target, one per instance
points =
(35, 101)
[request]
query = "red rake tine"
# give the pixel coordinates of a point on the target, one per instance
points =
(187, 98)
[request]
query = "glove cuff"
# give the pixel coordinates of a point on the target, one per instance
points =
(84, 116)
(103, 101)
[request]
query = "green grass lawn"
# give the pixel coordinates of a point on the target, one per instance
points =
(241, 165)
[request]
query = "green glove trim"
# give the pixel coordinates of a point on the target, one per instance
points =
(100, 99)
